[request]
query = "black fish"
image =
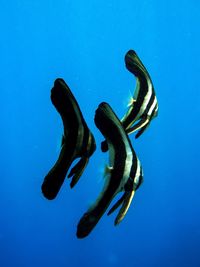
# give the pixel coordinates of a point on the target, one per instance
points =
(124, 173)
(143, 107)
(77, 142)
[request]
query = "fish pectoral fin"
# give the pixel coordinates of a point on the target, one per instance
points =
(77, 171)
(131, 102)
(139, 125)
(107, 170)
(128, 196)
(117, 204)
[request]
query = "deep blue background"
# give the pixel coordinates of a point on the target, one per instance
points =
(85, 42)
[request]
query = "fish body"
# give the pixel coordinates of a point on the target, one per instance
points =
(144, 106)
(77, 141)
(124, 171)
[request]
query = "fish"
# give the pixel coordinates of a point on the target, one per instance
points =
(124, 173)
(143, 106)
(77, 142)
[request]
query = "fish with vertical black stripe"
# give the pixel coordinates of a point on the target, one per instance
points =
(143, 106)
(124, 173)
(77, 142)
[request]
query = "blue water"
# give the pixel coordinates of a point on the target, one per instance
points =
(84, 42)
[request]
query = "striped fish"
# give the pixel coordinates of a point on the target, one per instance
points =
(77, 142)
(124, 173)
(143, 107)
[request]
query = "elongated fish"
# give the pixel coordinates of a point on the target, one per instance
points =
(124, 173)
(143, 107)
(77, 142)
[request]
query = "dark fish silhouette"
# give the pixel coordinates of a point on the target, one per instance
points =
(124, 173)
(143, 107)
(77, 142)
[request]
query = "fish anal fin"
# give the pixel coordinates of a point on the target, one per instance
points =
(140, 132)
(139, 125)
(77, 171)
(116, 205)
(125, 206)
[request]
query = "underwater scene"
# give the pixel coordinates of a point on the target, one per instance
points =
(100, 134)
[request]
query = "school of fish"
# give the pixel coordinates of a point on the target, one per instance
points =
(124, 172)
